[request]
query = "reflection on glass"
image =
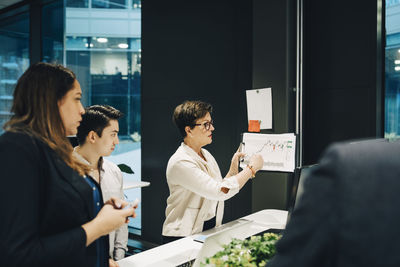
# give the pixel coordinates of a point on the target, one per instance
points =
(52, 33)
(103, 48)
(392, 93)
(136, 3)
(112, 4)
(111, 75)
(114, 75)
(109, 3)
(392, 69)
(14, 59)
(392, 2)
(77, 3)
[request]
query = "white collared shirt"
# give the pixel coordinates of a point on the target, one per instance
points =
(111, 184)
(195, 192)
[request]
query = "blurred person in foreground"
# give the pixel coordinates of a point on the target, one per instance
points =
(348, 212)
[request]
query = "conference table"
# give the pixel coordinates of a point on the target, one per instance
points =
(188, 247)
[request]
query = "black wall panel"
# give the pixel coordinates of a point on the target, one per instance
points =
(342, 73)
(192, 50)
(274, 65)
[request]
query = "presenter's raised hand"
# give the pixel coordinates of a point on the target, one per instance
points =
(234, 168)
(257, 162)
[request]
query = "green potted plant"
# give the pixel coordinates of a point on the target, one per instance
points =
(253, 252)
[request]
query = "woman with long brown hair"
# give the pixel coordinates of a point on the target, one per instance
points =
(50, 213)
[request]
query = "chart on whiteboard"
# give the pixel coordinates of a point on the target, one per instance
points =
(277, 150)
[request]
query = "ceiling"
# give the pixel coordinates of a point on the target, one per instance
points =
(6, 3)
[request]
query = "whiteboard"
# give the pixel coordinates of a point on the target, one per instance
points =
(277, 150)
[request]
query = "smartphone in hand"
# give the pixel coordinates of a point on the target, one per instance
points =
(132, 204)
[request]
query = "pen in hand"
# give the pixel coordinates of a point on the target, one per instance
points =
(241, 149)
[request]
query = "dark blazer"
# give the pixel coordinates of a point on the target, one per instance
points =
(349, 213)
(43, 205)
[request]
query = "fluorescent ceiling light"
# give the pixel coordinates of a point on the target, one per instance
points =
(397, 68)
(102, 40)
(123, 45)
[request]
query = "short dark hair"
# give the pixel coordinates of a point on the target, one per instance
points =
(188, 112)
(96, 118)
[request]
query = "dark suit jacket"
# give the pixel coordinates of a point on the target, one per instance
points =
(43, 205)
(349, 213)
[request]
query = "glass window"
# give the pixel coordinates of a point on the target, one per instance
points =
(53, 32)
(109, 4)
(108, 67)
(77, 3)
(14, 59)
(137, 4)
(392, 69)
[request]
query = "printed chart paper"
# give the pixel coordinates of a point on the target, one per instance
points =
(277, 150)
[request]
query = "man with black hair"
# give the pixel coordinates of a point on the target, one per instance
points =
(97, 137)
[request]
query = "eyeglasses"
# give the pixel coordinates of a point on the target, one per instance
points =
(206, 124)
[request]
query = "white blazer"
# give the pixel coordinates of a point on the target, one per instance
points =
(195, 192)
(111, 184)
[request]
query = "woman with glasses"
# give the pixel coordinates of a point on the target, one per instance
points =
(197, 188)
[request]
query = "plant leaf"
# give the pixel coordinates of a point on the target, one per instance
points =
(125, 168)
